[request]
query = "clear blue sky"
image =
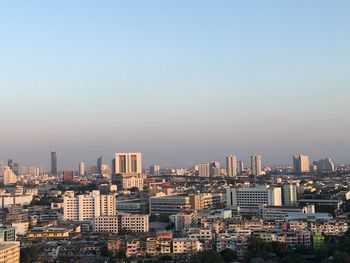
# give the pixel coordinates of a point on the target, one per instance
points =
(180, 81)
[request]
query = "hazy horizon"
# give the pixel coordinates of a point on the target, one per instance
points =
(180, 81)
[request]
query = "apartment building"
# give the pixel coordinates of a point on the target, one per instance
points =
(88, 206)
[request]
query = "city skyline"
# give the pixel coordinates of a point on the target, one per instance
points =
(182, 82)
(110, 161)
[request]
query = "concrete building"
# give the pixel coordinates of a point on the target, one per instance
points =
(289, 195)
(53, 163)
(204, 169)
(81, 168)
(9, 176)
(88, 206)
(231, 165)
(324, 166)
(9, 199)
(240, 167)
(106, 224)
(201, 201)
(253, 196)
(214, 169)
(133, 222)
(301, 164)
(169, 204)
(68, 176)
(126, 163)
(186, 246)
(155, 170)
(255, 165)
(9, 252)
(128, 181)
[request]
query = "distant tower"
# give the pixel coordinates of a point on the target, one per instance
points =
(155, 170)
(16, 168)
(9, 176)
(99, 164)
(204, 169)
(81, 168)
(255, 162)
(10, 164)
(240, 167)
(301, 164)
(53, 163)
(231, 165)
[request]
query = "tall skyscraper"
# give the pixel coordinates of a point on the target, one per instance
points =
(53, 163)
(155, 170)
(204, 169)
(10, 164)
(81, 168)
(214, 168)
(98, 165)
(255, 165)
(301, 164)
(128, 163)
(231, 165)
(16, 168)
(240, 167)
(324, 165)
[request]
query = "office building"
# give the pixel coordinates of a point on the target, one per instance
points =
(253, 196)
(7, 233)
(9, 176)
(128, 181)
(240, 167)
(16, 168)
(324, 166)
(88, 206)
(289, 195)
(155, 170)
(126, 163)
(169, 204)
(53, 163)
(9, 252)
(81, 168)
(68, 176)
(255, 165)
(301, 164)
(106, 224)
(201, 201)
(231, 165)
(98, 165)
(133, 222)
(204, 169)
(10, 164)
(214, 169)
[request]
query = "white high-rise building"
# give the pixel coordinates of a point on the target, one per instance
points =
(88, 206)
(253, 196)
(204, 169)
(255, 161)
(9, 176)
(81, 168)
(231, 165)
(128, 163)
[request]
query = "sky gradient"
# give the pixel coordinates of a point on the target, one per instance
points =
(180, 81)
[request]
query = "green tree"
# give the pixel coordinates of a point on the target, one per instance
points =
(228, 255)
(208, 257)
(29, 254)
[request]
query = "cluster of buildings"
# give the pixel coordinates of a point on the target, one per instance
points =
(175, 212)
